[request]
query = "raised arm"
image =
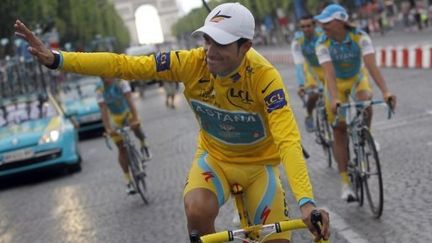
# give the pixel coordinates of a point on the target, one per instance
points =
(36, 48)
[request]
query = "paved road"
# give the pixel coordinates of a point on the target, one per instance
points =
(91, 206)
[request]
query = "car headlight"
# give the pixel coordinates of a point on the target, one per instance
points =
(50, 137)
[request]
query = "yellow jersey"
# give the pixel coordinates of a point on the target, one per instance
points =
(244, 117)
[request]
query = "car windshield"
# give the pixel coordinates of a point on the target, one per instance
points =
(78, 90)
(17, 111)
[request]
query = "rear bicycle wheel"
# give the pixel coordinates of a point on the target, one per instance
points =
(138, 174)
(371, 174)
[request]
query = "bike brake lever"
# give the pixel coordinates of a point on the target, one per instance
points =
(390, 108)
(316, 220)
(194, 237)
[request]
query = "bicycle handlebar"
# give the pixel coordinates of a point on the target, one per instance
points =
(360, 105)
(278, 227)
(390, 107)
(118, 130)
(309, 91)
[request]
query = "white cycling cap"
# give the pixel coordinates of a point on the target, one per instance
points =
(332, 12)
(227, 23)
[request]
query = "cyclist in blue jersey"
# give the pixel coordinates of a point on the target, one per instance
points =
(309, 73)
(346, 55)
(118, 109)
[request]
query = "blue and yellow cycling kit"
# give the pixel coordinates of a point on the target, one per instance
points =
(245, 120)
(308, 69)
(347, 60)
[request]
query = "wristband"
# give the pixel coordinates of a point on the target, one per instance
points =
(56, 62)
(305, 200)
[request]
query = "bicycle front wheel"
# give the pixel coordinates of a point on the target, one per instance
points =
(324, 134)
(372, 177)
(138, 174)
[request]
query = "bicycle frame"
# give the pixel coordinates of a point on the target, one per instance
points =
(137, 168)
(323, 131)
(359, 165)
(253, 233)
(356, 124)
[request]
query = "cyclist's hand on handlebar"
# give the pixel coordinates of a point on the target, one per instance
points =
(390, 99)
(109, 132)
(301, 91)
(309, 214)
(37, 48)
(335, 103)
(134, 123)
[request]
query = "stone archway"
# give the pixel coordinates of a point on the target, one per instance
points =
(167, 9)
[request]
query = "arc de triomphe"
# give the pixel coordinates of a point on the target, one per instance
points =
(167, 9)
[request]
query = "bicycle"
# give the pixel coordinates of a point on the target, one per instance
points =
(323, 130)
(254, 233)
(136, 162)
(364, 167)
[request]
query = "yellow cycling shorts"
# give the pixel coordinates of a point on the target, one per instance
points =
(119, 120)
(346, 87)
(312, 75)
(263, 194)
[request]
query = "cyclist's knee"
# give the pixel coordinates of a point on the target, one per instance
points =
(121, 148)
(201, 203)
(363, 95)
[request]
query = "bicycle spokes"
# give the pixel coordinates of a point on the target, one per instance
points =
(372, 176)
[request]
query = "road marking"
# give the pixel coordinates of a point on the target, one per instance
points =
(344, 229)
(403, 121)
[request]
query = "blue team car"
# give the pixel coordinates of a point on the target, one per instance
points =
(35, 134)
(78, 100)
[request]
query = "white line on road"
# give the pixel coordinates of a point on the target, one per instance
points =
(344, 229)
(408, 120)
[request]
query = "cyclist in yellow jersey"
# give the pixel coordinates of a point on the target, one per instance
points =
(309, 73)
(345, 53)
(241, 104)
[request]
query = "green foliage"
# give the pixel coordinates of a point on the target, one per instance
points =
(78, 21)
(259, 8)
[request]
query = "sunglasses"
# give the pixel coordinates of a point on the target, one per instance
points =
(306, 26)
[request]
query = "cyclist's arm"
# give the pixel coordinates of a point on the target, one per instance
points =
(370, 63)
(104, 109)
(286, 135)
(325, 61)
(330, 77)
(105, 117)
(173, 66)
(131, 104)
(298, 62)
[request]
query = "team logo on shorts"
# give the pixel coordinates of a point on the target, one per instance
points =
(207, 175)
(264, 215)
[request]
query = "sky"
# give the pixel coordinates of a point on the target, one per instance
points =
(188, 5)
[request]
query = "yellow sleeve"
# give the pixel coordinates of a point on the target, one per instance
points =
(171, 66)
(284, 130)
